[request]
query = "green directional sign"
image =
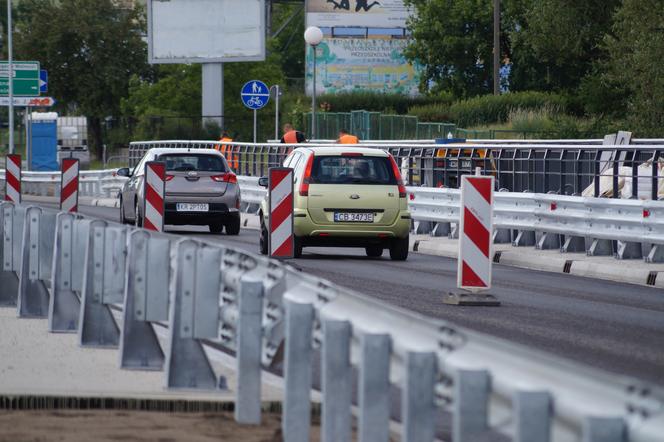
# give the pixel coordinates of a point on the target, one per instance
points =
(26, 78)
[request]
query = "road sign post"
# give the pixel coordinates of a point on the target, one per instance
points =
(255, 95)
(280, 199)
(475, 243)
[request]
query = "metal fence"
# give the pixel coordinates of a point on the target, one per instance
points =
(632, 171)
(72, 269)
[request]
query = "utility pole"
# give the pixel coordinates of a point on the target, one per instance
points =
(496, 47)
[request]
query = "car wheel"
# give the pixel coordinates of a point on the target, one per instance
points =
(233, 226)
(374, 251)
(138, 221)
(399, 249)
(262, 243)
(216, 227)
(297, 247)
(123, 220)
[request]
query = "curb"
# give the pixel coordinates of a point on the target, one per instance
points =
(636, 272)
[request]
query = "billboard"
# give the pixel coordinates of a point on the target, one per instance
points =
(351, 64)
(367, 13)
(206, 31)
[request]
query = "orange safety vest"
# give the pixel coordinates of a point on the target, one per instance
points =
(348, 139)
(227, 151)
(290, 137)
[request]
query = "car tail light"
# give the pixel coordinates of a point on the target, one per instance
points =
(397, 175)
(228, 177)
(352, 154)
(169, 177)
(304, 186)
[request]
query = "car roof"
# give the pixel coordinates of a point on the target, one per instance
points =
(158, 151)
(338, 150)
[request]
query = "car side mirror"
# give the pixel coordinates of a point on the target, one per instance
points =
(262, 181)
(123, 172)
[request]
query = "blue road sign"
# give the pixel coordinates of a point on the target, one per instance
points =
(255, 94)
(43, 81)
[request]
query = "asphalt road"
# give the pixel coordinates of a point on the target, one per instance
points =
(612, 326)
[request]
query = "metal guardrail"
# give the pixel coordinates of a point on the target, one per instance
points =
(215, 295)
(92, 183)
(580, 167)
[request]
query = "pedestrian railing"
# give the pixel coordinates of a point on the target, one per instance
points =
(574, 167)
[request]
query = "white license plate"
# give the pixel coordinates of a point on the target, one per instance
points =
(192, 207)
(344, 217)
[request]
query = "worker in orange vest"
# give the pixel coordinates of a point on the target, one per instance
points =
(346, 138)
(292, 136)
(227, 150)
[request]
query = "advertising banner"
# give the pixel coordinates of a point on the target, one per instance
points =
(360, 64)
(366, 13)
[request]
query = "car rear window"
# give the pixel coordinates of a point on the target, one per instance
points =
(340, 169)
(198, 162)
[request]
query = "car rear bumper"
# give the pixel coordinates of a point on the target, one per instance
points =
(359, 233)
(218, 213)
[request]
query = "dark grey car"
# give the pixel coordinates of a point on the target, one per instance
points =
(200, 190)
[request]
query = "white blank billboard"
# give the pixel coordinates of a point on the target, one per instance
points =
(206, 31)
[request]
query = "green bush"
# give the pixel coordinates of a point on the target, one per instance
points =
(373, 102)
(490, 109)
(430, 113)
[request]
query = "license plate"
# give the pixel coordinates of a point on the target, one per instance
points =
(192, 207)
(344, 217)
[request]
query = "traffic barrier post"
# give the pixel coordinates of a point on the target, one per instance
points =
(280, 198)
(13, 179)
(69, 185)
(475, 243)
(154, 189)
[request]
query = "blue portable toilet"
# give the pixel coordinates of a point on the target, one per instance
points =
(44, 141)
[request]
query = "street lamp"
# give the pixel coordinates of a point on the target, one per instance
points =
(313, 36)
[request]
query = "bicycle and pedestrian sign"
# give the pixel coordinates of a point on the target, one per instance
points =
(255, 94)
(26, 78)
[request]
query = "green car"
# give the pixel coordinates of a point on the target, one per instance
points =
(346, 197)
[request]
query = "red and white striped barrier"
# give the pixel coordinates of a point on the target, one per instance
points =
(153, 195)
(13, 179)
(475, 260)
(280, 199)
(69, 185)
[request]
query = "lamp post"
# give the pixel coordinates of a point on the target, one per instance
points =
(313, 36)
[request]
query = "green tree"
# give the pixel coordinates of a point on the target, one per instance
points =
(555, 43)
(635, 49)
(452, 40)
(90, 49)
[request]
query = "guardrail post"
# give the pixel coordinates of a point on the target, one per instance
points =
(656, 253)
(423, 227)
(194, 315)
(548, 241)
(532, 411)
(33, 296)
(145, 300)
(604, 429)
(502, 236)
(441, 229)
(336, 381)
(524, 238)
(8, 278)
(628, 250)
(297, 372)
(249, 349)
(454, 231)
(374, 388)
(599, 247)
(64, 306)
(97, 325)
(573, 244)
(471, 395)
(417, 402)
